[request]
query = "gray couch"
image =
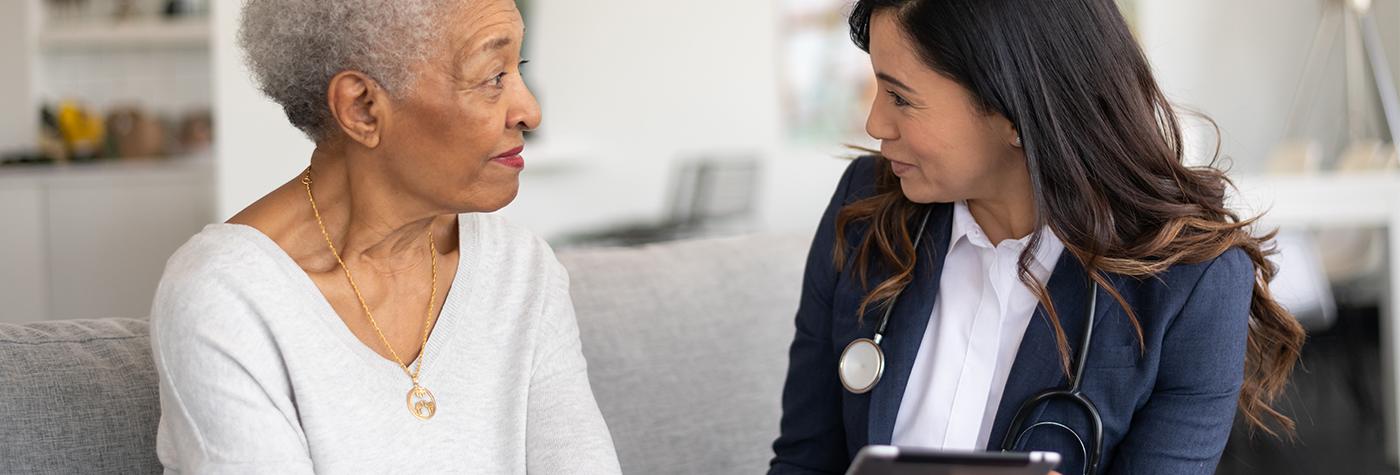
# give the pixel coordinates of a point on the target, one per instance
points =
(686, 344)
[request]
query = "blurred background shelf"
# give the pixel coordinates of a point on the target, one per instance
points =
(191, 168)
(90, 239)
(190, 33)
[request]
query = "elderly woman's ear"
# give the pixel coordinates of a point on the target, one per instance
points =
(358, 105)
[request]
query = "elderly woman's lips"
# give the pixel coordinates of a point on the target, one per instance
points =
(511, 158)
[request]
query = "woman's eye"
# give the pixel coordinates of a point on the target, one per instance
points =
(499, 80)
(898, 100)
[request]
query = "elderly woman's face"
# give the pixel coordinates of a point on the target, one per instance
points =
(458, 136)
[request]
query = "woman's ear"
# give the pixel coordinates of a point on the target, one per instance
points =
(1000, 126)
(358, 106)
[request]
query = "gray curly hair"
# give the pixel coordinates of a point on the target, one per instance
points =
(295, 47)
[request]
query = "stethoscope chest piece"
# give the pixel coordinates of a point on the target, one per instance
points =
(862, 364)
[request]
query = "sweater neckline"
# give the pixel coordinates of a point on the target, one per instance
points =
(453, 308)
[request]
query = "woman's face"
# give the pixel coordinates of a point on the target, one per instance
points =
(942, 146)
(457, 137)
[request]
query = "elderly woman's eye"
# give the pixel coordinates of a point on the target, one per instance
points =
(499, 79)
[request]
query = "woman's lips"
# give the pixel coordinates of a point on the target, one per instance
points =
(511, 158)
(900, 168)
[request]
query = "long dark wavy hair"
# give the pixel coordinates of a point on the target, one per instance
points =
(1105, 153)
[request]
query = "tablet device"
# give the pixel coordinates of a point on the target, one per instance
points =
(889, 460)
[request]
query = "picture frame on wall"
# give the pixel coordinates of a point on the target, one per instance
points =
(826, 82)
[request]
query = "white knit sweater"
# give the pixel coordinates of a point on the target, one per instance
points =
(259, 375)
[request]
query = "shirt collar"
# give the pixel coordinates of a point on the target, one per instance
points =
(965, 227)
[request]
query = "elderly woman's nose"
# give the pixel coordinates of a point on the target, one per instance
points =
(525, 114)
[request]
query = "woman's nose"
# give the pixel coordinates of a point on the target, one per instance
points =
(525, 111)
(880, 128)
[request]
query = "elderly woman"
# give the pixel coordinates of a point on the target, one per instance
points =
(367, 316)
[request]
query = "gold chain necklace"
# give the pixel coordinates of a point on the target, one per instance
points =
(421, 402)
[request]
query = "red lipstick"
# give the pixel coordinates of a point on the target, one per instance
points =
(511, 158)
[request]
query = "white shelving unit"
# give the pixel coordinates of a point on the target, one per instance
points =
(90, 240)
(162, 64)
(143, 34)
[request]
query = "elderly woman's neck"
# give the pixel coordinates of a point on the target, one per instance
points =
(369, 218)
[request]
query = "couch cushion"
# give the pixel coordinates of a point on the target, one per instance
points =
(687, 348)
(78, 397)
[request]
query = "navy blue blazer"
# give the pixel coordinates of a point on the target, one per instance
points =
(1167, 406)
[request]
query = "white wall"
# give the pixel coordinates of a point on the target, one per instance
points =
(645, 82)
(1240, 61)
(256, 150)
(627, 87)
(632, 95)
(19, 128)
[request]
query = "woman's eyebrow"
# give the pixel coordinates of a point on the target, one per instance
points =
(497, 43)
(894, 82)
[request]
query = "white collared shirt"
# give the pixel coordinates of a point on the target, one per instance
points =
(978, 320)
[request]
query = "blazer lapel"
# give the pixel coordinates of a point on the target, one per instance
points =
(907, 325)
(1037, 367)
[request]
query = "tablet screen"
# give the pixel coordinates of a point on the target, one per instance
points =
(889, 460)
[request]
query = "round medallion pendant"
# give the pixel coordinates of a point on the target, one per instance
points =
(421, 402)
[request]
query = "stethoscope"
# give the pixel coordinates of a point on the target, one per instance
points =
(863, 363)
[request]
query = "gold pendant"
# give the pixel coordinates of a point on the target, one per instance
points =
(421, 402)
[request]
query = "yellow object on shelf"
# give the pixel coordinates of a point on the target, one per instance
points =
(81, 130)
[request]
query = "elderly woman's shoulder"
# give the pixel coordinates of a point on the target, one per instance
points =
(495, 226)
(220, 255)
(499, 238)
(211, 282)
(220, 248)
